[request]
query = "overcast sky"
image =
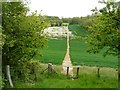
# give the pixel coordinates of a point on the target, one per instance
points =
(65, 8)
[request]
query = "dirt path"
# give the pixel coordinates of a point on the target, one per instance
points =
(67, 62)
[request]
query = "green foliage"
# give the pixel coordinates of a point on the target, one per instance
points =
(75, 20)
(23, 35)
(11, 19)
(84, 22)
(66, 20)
(1, 40)
(87, 21)
(30, 69)
(33, 66)
(105, 30)
(2, 82)
(55, 21)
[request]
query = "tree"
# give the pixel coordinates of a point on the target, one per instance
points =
(23, 34)
(105, 30)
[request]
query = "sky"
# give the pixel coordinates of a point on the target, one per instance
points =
(65, 8)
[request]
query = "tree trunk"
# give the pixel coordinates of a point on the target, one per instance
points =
(8, 75)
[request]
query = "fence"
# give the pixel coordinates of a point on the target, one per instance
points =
(51, 70)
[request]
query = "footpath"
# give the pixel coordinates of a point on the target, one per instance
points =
(67, 61)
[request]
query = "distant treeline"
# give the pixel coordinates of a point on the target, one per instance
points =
(55, 21)
(82, 21)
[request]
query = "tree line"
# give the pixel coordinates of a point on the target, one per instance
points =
(85, 21)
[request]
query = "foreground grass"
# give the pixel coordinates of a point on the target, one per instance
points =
(87, 79)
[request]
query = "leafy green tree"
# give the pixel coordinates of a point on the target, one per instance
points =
(23, 34)
(105, 30)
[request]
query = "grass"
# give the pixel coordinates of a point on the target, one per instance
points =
(87, 79)
(79, 56)
(54, 53)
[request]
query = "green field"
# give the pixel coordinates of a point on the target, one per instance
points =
(79, 56)
(56, 50)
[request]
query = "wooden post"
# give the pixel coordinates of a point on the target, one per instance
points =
(8, 75)
(35, 77)
(35, 73)
(98, 72)
(49, 68)
(118, 74)
(77, 71)
(67, 71)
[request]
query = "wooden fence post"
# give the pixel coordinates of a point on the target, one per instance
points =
(67, 71)
(77, 71)
(98, 72)
(35, 73)
(49, 68)
(8, 75)
(118, 74)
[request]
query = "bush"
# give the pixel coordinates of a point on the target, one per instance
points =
(30, 70)
(26, 71)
